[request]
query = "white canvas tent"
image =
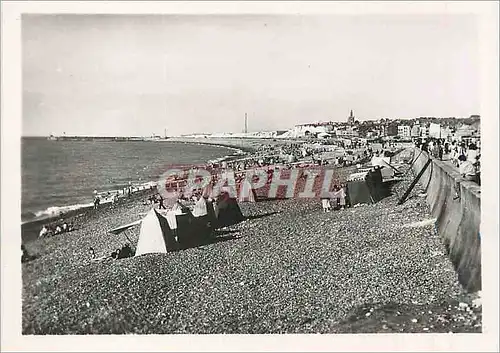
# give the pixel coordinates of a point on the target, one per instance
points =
(179, 227)
(154, 233)
(200, 208)
(247, 193)
(380, 161)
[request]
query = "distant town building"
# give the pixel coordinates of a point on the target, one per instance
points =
(346, 131)
(392, 130)
(373, 133)
(435, 130)
(312, 129)
(465, 131)
(446, 132)
(404, 131)
(424, 130)
(350, 118)
(415, 131)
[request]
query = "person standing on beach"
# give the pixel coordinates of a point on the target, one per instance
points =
(160, 202)
(466, 169)
(440, 150)
(97, 201)
(43, 232)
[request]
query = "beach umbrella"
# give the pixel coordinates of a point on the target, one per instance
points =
(125, 227)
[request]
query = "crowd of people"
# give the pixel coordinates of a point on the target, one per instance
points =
(272, 158)
(288, 154)
(49, 230)
(465, 155)
(120, 253)
(338, 199)
(156, 199)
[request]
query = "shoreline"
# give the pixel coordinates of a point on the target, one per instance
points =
(242, 147)
(247, 145)
(30, 229)
(228, 144)
(50, 218)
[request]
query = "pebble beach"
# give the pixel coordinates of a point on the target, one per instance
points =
(288, 268)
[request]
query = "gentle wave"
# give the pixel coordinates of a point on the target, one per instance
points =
(119, 189)
(226, 157)
(106, 198)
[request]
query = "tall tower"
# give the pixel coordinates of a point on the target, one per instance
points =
(350, 118)
(246, 123)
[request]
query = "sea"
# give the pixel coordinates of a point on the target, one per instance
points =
(60, 176)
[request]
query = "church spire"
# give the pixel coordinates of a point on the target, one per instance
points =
(350, 119)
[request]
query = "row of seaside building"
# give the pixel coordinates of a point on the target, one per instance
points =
(451, 129)
(407, 129)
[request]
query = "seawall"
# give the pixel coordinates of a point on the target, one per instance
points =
(456, 204)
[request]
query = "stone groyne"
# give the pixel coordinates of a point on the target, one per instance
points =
(456, 204)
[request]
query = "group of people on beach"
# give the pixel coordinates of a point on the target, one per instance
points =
(465, 155)
(49, 230)
(288, 154)
(120, 253)
(112, 196)
(156, 199)
(338, 199)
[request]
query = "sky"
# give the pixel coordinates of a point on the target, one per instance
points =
(124, 75)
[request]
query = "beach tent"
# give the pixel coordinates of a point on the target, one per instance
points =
(200, 208)
(380, 161)
(366, 187)
(358, 191)
(192, 228)
(155, 235)
(388, 170)
(228, 211)
(247, 193)
(208, 191)
(387, 173)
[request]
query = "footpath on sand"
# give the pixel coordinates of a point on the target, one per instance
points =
(289, 268)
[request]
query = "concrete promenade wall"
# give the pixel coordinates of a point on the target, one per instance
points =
(456, 204)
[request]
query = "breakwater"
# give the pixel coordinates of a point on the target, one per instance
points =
(456, 204)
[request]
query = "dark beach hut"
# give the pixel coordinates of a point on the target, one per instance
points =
(229, 211)
(366, 187)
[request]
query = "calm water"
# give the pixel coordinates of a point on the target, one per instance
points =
(57, 174)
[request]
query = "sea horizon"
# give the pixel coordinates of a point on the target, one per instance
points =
(46, 192)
